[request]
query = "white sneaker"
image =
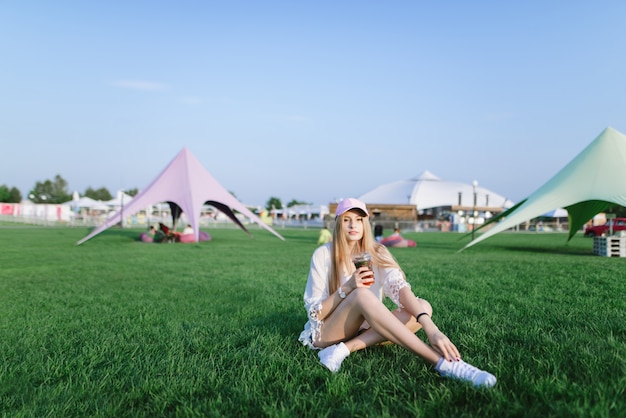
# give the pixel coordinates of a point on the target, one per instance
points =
(466, 372)
(332, 356)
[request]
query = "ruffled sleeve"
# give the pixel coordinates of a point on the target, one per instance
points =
(317, 284)
(394, 281)
(316, 291)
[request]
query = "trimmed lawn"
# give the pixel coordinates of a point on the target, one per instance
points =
(116, 327)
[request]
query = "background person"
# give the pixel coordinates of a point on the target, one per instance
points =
(159, 236)
(325, 236)
(345, 305)
(378, 233)
(163, 228)
(397, 240)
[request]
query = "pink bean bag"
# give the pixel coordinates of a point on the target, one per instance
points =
(391, 241)
(146, 237)
(203, 236)
(397, 242)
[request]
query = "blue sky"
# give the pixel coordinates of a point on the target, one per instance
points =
(311, 101)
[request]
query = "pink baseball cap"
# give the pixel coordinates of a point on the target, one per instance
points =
(350, 203)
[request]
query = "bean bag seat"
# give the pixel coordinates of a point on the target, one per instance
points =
(397, 242)
(391, 241)
(146, 237)
(187, 238)
(203, 236)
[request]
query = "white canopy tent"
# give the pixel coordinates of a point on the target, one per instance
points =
(119, 200)
(556, 213)
(86, 203)
(429, 191)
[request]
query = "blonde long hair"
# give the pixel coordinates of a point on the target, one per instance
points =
(341, 257)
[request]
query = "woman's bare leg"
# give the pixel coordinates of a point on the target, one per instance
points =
(362, 304)
(370, 337)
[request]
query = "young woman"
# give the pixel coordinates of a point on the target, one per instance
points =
(345, 308)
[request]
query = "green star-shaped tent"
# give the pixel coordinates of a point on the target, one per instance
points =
(594, 180)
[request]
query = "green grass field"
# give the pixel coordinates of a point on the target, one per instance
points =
(116, 327)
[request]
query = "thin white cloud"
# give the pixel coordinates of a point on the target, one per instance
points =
(139, 85)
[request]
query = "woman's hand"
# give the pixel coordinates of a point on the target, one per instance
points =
(363, 277)
(442, 344)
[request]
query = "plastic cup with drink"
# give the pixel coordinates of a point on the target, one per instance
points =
(363, 259)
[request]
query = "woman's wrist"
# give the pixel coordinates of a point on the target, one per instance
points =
(417, 318)
(426, 322)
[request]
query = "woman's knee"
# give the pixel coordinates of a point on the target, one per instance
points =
(410, 321)
(362, 296)
(363, 293)
(426, 307)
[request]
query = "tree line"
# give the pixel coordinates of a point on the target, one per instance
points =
(276, 203)
(54, 191)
